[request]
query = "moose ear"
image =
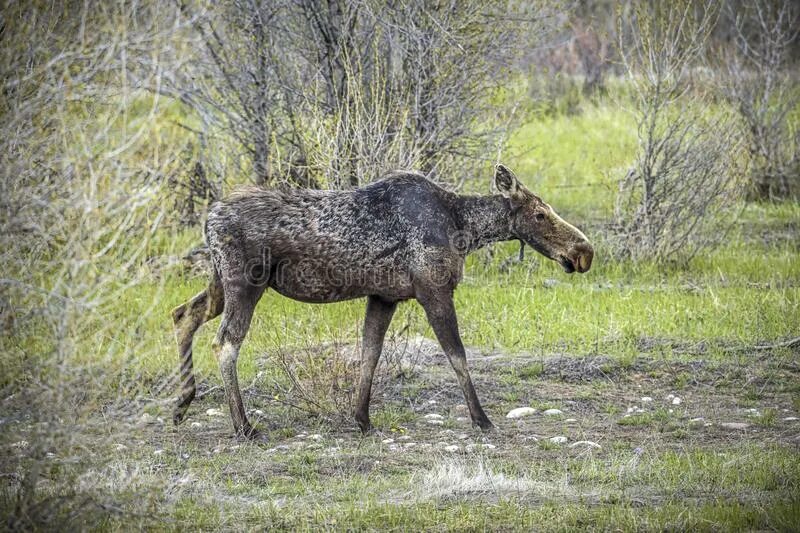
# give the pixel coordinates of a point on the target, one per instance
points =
(506, 182)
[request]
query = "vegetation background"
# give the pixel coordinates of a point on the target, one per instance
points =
(667, 131)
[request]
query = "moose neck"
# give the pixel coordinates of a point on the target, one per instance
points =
(486, 219)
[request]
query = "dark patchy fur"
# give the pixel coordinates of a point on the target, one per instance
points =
(399, 238)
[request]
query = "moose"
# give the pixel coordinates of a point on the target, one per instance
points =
(399, 238)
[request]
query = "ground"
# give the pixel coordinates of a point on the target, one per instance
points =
(646, 447)
(648, 363)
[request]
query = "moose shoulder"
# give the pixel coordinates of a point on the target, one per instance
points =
(399, 238)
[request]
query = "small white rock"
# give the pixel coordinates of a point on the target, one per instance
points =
(520, 412)
(387, 441)
(570, 420)
(452, 448)
(315, 436)
(790, 419)
(676, 401)
(486, 446)
(158, 452)
(196, 425)
(433, 416)
(553, 412)
(404, 437)
(213, 412)
(587, 443)
(436, 422)
(734, 425)
(432, 402)
(462, 419)
(558, 440)
(646, 399)
(699, 421)
(120, 447)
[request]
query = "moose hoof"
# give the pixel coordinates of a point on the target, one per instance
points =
(366, 429)
(179, 415)
(485, 425)
(251, 434)
(364, 424)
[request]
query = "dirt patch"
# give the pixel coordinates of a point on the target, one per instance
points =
(682, 402)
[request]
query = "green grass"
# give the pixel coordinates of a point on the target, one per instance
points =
(574, 162)
(681, 489)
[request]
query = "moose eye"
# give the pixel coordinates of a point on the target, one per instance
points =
(539, 216)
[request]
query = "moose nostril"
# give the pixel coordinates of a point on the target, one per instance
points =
(583, 254)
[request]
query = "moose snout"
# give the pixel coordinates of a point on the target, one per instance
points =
(582, 255)
(578, 258)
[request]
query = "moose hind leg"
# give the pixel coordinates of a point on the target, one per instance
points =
(376, 322)
(187, 318)
(240, 302)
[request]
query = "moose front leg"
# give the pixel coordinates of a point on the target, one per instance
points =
(441, 314)
(379, 315)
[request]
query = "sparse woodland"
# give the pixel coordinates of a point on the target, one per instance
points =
(664, 384)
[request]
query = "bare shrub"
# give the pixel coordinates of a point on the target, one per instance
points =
(320, 381)
(81, 184)
(673, 202)
(192, 190)
(764, 89)
(332, 94)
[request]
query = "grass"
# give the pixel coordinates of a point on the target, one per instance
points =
(574, 162)
(590, 345)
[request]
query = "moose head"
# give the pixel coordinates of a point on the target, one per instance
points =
(535, 223)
